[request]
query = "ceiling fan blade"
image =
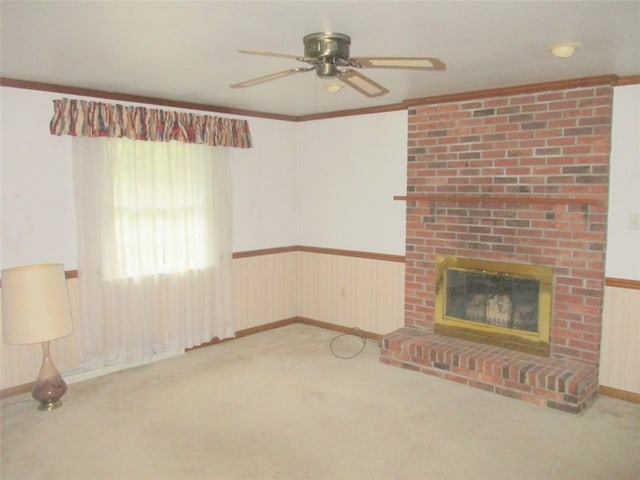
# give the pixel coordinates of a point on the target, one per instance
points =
(268, 78)
(272, 54)
(406, 63)
(362, 84)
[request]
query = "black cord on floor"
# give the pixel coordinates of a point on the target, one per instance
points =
(355, 332)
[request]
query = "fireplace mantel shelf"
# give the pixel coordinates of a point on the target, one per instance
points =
(526, 199)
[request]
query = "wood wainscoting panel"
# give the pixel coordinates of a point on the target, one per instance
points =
(264, 288)
(620, 351)
(350, 291)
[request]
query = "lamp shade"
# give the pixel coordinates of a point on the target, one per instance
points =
(35, 304)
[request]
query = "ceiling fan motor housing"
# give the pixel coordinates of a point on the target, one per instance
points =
(329, 46)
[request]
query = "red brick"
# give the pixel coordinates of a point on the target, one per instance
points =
(491, 154)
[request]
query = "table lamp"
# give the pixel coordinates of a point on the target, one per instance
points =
(35, 308)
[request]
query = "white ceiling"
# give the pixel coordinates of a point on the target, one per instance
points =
(188, 50)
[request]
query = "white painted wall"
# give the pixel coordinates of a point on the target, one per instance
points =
(265, 188)
(349, 170)
(38, 213)
(623, 252)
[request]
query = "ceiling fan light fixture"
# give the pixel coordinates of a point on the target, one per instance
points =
(333, 88)
(563, 50)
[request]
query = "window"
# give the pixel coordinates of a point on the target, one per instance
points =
(154, 247)
(160, 212)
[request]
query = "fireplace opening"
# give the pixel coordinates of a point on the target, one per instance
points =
(498, 303)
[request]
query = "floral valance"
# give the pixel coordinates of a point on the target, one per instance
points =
(95, 119)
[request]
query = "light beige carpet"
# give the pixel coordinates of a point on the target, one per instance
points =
(280, 405)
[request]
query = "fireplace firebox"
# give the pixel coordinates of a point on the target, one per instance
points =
(498, 303)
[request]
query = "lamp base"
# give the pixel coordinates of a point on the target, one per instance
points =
(49, 386)
(47, 407)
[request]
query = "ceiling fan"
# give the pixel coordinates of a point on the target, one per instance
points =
(328, 54)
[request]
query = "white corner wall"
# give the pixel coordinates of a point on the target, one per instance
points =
(349, 170)
(265, 188)
(623, 252)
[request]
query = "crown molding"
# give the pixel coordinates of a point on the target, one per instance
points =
(125, 97)
(613, 80)
(515, 90)
(628, 80)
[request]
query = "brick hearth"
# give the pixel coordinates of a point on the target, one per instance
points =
(519, 178)
(564, 384)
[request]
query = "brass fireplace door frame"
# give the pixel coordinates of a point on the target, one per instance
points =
(522, 271)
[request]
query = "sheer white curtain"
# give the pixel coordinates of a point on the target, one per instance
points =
(154, 247)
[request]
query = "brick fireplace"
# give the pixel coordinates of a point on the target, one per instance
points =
(518, 175)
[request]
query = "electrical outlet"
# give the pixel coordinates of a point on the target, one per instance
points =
(634, 221)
